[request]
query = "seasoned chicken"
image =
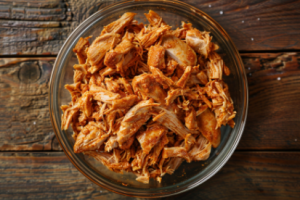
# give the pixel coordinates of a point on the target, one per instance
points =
(111, 143)
(90, 138)
(80, 49)
(109, 161)
(161, 78)
(216, 67)
(98, 49)
(181, 32)
(134, 119)
(148, 86)
(135, 27)
(146, 39)
(190, 119)
(201, 110)
(110, 120)
(171, 66)
(139, 160)
(185, 76)
(111, 84)
(74, 90)
(149, 138)
(182, 53)
(201, 149)
(170, 120)
(126, 85)
(200, 42)
(207, 125)
(157, 149)
(103, 95)
(154, 18)
(127, 144)
(107, 71)
(86, 104)
(144, 177)
(189, 142)
(119, 25)
(115, 57)
(125, 102)
(80, 73)
(68, 115)
(145, 97)
(174, 93)
(156, 57)
(180, 152)
(202, 76)
(221, 102)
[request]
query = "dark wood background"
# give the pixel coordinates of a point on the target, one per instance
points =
(266, 164)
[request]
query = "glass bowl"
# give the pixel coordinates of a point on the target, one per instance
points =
(188, 175)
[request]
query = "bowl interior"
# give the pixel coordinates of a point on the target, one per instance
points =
(187, 175)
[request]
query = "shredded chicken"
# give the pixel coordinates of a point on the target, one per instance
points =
(146, 98)
(98, 49)
(119, 25)
(179, 51)
(149, 138)
(156, 57)
(200, 42)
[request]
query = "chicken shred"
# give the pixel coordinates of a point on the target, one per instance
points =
(182, 53)
(200, 42)
(156, 57)
(98, 49)
(146, 98)
(149, 138)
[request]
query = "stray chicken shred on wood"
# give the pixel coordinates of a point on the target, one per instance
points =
(146, 97)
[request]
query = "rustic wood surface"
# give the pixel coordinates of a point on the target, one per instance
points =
(266, 164)
(40, 27)
(24, 95)
(265, 175)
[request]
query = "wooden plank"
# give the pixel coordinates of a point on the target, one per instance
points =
(274, 104)
(273, 117)
(40, 27)
(24, 114)
(247, 175)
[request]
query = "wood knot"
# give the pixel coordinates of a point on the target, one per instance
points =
(29, 72)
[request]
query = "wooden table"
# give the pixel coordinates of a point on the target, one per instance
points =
(266, 164)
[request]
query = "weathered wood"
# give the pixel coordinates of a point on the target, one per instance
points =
(51, 21)
(274, 104)
(40, 27)
(247, 175)
(24, 114)
(273, 117)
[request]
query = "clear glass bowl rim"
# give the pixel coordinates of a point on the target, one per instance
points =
(216, 165)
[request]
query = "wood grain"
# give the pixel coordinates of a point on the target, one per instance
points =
(273, 118)
(24, 114)
(40, 27)
(274, 101)
(41, 175)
